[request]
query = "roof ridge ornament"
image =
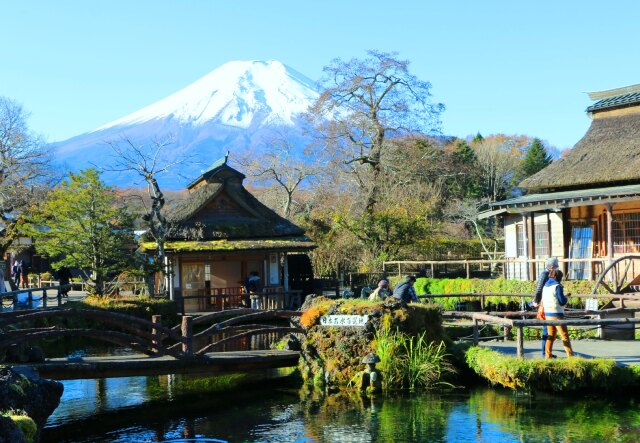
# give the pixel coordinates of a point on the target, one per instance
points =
(600, 95)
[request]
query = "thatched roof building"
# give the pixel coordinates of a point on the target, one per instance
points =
(584, 207)
(607, 155)
(220, 214)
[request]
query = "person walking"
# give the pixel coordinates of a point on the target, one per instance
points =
(17, 273)
(554, 300)
(405, 291)
(550, 265)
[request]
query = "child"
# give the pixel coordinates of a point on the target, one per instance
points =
(553, 300)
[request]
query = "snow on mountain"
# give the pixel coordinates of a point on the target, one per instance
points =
(236, 107)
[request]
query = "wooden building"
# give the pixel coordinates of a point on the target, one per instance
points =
(220, 233)
(585, 205)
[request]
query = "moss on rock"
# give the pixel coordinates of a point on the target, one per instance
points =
(332, 355)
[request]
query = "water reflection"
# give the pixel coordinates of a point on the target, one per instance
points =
(278, 414)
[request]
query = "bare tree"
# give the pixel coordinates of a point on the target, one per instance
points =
(25, 173)
(148, 161)
(282, 164)
(366, 101)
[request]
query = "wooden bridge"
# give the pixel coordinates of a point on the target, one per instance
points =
(161, 350)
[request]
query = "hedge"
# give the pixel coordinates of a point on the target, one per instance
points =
(425, 286)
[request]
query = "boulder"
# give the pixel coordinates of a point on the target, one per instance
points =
(37, 397)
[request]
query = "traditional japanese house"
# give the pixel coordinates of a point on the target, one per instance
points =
(585, 205)
(220, 234)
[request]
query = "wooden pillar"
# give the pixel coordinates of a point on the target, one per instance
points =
(532, 246)
(187, 334)
(609, 208)
(155, 342)
(476, 337)
(468, 269)
(44, 298)
(433, 272)
(520, 345)
(507, 333)
(525, 234)
(285, 283)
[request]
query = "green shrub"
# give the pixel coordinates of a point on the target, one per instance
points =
(425, 286)
(559, 375)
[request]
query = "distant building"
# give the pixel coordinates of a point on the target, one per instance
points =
(586, 204)
(221, 234)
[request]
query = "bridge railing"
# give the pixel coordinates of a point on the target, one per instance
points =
(27, 298)
(149, 337)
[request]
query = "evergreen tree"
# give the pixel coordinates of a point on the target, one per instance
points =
(81, 226)
(536, 159)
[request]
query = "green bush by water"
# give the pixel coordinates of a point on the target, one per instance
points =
(557, 375)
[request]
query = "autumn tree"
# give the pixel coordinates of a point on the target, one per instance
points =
(365, 102)
(25, 174)
(83, 225)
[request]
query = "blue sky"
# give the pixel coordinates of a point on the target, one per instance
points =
(498, 66)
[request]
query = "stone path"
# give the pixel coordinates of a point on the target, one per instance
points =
(624, 352)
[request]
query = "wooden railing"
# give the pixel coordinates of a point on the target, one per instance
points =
(267, 300)
(523, 320)
(149, 337)
(27, 298)
(507, 267)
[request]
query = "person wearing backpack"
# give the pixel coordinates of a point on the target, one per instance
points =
(554, 300)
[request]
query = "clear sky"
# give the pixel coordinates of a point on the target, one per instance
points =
(516, 67)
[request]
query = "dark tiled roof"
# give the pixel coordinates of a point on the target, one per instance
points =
(615, 102)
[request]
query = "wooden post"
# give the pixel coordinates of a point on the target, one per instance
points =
(520, 338)
(155, 343)
(475, 332)
(30, 299)
(44, 298)
(187, 334)
(609, 233)
(60, 295)
(507, 333)
(482, 302)
(433, 273)
(468, 269)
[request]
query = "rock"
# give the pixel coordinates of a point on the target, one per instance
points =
(292, 343)
(37, 397)
(9, 431)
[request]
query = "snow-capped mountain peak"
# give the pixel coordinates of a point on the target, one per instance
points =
(240, 94)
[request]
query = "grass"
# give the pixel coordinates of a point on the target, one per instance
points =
(411, 362)
(560, 375)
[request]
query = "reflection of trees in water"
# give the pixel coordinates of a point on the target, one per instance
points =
(553, 418)
(352, 417)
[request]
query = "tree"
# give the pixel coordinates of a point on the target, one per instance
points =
(499, 158)
(365, 102)
(148, 162)
(279, 165)
(25, 175)
(536, 159)
(81, 225)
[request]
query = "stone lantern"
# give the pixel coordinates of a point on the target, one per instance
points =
(370, 380)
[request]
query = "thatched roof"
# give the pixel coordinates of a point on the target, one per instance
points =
(288, 244)
(609, 153)
(241, 217)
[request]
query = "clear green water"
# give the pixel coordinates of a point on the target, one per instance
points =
(155, 409)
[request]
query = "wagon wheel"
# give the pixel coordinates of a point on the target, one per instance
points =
(614, 277)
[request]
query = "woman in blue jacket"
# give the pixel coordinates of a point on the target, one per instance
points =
(553, 300)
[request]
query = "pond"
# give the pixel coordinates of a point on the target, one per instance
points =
(171, 408)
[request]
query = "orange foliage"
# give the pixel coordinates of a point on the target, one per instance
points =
(310, 317)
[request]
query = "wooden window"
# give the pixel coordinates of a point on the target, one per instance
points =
(541, 244)
(626, 233)
(520, 243)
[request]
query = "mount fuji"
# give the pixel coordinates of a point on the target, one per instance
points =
(238, 107)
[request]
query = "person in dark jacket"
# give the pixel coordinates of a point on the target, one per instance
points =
(64, 278)
(405, 291)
